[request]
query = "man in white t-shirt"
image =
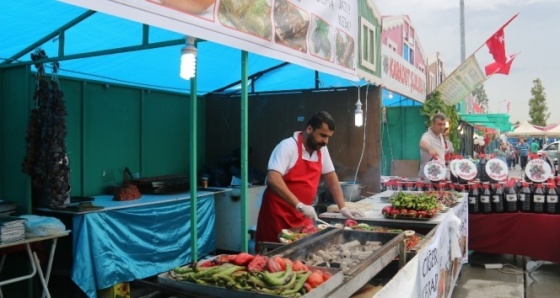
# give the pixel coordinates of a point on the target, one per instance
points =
(432, 143)
(294, 171)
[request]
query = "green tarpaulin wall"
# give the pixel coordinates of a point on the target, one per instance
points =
(401, 134)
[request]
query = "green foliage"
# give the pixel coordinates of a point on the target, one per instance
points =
(434, 104)
(537, 104)
(481, 97)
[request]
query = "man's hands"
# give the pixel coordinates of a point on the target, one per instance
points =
(351, 213)
(307, 211)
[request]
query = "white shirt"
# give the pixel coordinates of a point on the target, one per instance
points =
(437, 143)
(285, 156)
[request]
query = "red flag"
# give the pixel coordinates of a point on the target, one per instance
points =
(496, 43)
(497, 47)
(496, 67)
(477, 108)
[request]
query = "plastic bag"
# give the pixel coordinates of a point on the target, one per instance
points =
(40, 226)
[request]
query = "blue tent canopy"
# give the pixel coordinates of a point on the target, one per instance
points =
(26, 22)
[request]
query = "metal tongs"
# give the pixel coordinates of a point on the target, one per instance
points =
(323, 222)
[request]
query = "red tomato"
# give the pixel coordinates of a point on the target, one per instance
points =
(299, 266)
(272, 266)
(257, 264)
(242, 259)
(350, 223)
(315, 279)
(280, 262)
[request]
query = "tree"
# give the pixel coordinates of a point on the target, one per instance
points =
(537, 104)
(481, 97)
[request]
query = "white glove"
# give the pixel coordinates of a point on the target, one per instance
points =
(308, 211)
(351, 213)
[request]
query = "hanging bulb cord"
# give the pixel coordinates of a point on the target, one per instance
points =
(364, 135)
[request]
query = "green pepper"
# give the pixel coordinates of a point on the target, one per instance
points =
(255, 281)
(207, 272)
(299, 284)
(290, 283)
(278, 281)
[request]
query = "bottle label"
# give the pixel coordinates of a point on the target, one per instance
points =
(496, 198)
(538, 198)
(472, 200)
(485, 199)
(552, 199)
(513, 198)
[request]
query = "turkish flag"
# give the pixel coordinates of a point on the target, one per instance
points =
(495, 67)
(496, 45)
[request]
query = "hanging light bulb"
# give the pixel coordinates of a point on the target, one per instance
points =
(188, 59)
(358, 114)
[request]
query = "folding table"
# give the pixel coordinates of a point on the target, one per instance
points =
(33, 260)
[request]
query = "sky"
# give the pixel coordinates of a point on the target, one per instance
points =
(533, 34)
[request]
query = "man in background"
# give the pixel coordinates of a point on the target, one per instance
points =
(523, 149)
(534, 146)
(432, 143)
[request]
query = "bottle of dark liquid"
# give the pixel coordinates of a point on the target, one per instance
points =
(428, 186)
(482, 175)
(474, 198)
(485, 197)
(409, 186)
(511, 198)
(525, 197)
(551, 199)
(538, 199)
(498, 198)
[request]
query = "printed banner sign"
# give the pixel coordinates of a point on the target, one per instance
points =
(438, 268)
(461, 82)
(321, 35)
(402, 77)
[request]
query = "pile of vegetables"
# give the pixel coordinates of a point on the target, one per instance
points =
(412, 205)
(256, 273)
(411, 241)
(288, 236)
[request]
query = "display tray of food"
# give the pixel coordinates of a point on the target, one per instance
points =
(245, 275)
(359, 254)
(415, 237)
(419, 205)
(347, 249)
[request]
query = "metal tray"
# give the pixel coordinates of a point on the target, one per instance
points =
(393, 246)
(215, 291)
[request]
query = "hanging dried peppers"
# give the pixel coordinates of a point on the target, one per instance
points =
(47, 160)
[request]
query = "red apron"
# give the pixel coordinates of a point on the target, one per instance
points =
(276, 214)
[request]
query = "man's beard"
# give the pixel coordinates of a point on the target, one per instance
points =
(314, 145)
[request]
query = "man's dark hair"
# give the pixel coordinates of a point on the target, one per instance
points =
(319, 118)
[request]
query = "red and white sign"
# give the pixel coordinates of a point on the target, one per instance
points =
(402, 77)
(321, 35)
